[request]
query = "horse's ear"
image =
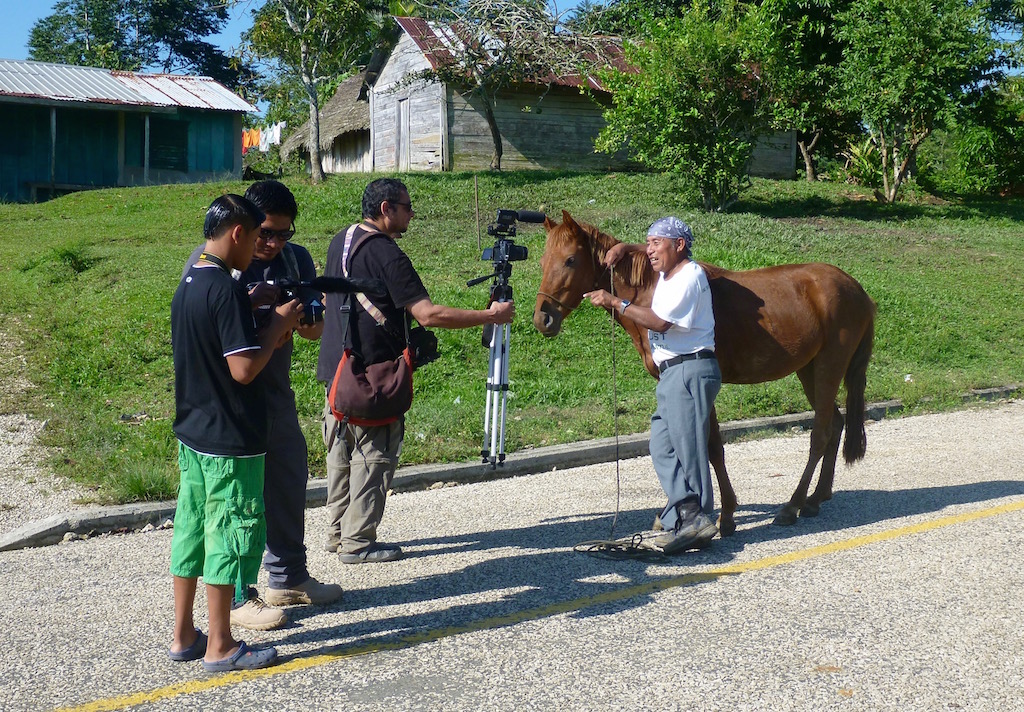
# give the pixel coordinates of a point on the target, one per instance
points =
(567, 218)
(549, 223)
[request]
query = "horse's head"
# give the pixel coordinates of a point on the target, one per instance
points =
(570, 269)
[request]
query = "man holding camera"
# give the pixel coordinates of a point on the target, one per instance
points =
(287, 467)
(361, 460)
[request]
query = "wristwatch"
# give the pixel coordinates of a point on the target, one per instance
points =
(622, 307)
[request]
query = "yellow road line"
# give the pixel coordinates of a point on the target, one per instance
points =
(408, 641)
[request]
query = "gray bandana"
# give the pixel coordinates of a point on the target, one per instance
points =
(673, 228)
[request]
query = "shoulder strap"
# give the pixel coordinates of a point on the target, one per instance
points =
(351, 245)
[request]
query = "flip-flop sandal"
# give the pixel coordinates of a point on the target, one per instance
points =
(192, 652)
(245, 658)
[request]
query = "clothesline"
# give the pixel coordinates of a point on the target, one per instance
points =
(262, 138)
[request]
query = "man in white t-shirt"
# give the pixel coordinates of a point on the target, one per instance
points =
(681, 328)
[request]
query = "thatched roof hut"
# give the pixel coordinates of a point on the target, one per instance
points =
(344, 129)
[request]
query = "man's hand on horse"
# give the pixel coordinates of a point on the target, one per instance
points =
(619, 250)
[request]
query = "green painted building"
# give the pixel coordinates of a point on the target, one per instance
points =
(73, 128)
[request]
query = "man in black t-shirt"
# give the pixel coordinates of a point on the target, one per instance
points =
(220, 406)
(361, 460)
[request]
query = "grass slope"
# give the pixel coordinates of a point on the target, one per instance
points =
(87, 281)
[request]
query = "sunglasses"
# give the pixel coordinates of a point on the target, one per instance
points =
(407, 206)
(280, 235)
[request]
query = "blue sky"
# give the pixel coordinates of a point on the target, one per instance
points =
(18, 16)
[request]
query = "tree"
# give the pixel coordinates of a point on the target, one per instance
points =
(799, 55)
(315, 42)
(87, 33)
(692, 104)
(625, 18)
(498, 44)
(136, 34)
(907, 64)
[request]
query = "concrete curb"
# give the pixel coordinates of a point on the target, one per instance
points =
(128, 517)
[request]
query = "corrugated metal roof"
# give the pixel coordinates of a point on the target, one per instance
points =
(179, 90)
(48, 82)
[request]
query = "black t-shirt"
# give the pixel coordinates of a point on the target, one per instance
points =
(378, 257)
(275, 375)
(211, 318)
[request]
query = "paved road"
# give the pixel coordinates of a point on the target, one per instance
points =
(905, 594)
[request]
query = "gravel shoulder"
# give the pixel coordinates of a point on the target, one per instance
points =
(28, 491)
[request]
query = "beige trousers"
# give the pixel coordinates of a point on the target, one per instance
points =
(361, 463)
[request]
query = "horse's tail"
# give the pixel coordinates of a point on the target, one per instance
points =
(856, 441)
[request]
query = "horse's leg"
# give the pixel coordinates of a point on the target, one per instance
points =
(716, 454)
(823, 492)
(821, 388)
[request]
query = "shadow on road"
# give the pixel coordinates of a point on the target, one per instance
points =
(540, 578)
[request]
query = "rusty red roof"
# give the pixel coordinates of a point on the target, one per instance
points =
(437, 41)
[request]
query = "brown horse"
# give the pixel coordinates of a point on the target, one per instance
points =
(811, 319)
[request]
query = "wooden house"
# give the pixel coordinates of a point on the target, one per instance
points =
(72, 128)
(425, 126)
(433, 126)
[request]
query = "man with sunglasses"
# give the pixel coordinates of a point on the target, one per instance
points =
(287, 466)
(361, 460)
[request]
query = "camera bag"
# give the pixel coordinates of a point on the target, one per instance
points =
(369, 394)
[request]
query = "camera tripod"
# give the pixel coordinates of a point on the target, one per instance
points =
(496, 336)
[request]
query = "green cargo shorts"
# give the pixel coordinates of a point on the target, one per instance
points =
(219, 525)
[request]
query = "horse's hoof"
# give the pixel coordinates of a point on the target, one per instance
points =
(726, 528)
(810, 509)
(785, 518)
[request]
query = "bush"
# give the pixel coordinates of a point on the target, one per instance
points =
(863, 164)
(981, 152)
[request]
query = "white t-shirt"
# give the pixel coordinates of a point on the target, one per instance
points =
(685, 301)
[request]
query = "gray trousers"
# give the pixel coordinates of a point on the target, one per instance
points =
(679, 437)
(284, 497)
(361, 463)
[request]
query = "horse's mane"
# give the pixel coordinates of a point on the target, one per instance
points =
(634, 269)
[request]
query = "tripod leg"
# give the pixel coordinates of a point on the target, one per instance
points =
(492, 378)
(500, 365)
(507, 349)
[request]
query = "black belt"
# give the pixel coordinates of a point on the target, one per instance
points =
(703, 353)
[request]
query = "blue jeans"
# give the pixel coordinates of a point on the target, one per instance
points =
(679, 437)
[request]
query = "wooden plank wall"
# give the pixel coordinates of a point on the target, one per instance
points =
(24, 151)
(350, 153)
(424, 128)
(775, 156)
(552, 130)
(425, 102)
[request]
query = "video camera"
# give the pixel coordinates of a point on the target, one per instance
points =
(505, 250)
(313, 306)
